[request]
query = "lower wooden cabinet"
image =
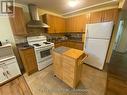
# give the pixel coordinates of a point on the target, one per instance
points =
(28, 60)
(57, 58)
(71, 44)
(8, 70)
(67, 68)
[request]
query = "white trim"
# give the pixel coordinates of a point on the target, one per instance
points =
(81, 9)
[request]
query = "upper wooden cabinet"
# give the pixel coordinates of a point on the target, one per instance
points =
(95, 17)
(18, 22)
(104, 16)
(77, 23)
(56, 24)
(110, 15)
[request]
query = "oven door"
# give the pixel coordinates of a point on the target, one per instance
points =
(43, 54)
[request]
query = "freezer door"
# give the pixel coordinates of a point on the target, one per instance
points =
(100, 30)
(97, 50)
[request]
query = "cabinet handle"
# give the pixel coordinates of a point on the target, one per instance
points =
(4, 74)
(7, 72)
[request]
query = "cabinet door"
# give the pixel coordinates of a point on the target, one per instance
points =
(57, 64)
(62, 25)
(72, 44)
(29, 60)
(75, 24)
(78, 46)
(57, 45)
(96, 17)
(18, 22)
(12, 70)
(51, 23)
(57, 24)
(69, 24)
(79, 23)
(110, 15)
(64, 43)
(2, 75)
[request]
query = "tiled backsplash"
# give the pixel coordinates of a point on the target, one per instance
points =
(54, 37)
(51, 37)
(20, 39)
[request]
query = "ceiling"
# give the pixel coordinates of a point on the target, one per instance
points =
(61, 6)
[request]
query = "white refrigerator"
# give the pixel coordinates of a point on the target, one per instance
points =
(97, 42)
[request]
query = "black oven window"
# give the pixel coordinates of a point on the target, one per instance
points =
(45, 53)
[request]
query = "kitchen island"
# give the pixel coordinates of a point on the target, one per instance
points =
(67, 64)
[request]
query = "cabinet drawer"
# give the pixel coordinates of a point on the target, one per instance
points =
(68, 60)
(68, 67)
(13, 60)
(12, 70)
(68, 73)
(29, 51)
(68, 80)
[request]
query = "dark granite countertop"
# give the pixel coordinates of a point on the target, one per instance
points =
(59, 41)
(23, 46)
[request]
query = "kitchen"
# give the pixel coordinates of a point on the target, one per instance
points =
(52, 48)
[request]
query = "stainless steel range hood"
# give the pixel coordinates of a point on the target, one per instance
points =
(35, 22)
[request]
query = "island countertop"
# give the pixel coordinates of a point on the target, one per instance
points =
(70, 52)
(61, 49)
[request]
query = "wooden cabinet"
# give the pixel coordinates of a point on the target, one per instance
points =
(76, 24)
(104, 16)
(67, 64)
(78, 46)
(64, 43)
(96, 17)
(29, 60)
(12, 69)
(9, 69)
(71, 44)
(18, 23)
(57, 58)
(57, 24)
(110, 15)
(2, 75)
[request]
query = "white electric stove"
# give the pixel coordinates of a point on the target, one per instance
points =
(42, 50)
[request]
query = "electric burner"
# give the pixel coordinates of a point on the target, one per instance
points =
(36, 45)
(46, 42)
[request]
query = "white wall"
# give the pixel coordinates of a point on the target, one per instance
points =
(5, 30)
(5, 27)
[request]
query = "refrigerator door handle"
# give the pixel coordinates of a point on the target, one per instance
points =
(86, 42)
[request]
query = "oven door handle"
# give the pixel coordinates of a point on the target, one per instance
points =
(44, 49)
